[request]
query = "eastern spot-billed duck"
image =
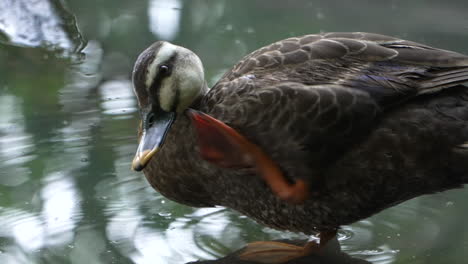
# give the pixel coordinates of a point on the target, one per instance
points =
(306, 134)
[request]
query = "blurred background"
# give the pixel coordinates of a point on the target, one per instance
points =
(68, 121)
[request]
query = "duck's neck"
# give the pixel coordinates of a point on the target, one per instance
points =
(177, 171)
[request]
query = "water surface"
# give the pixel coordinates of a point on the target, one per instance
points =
(68, 122)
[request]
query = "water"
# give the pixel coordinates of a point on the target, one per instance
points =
(68, 123)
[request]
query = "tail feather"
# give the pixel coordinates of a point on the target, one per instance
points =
(444, 79)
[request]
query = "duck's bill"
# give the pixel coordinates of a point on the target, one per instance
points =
(152, 138)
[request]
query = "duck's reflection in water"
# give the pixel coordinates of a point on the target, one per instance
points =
(330, 254)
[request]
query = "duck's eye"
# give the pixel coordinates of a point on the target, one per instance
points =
(164, 70)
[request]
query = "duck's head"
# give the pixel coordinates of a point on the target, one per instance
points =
(167, 80)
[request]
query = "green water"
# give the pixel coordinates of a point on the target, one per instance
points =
(68, 129)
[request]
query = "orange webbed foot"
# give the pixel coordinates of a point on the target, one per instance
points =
(272, 252)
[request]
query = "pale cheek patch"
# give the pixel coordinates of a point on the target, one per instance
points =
(192, 84)
(167, 95)
(150, 75)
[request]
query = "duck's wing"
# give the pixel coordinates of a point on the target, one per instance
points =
(315, 122)
(321, 94)
(389, 69)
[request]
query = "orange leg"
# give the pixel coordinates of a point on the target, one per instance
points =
(225, 147)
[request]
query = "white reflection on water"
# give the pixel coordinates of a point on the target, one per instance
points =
(26, 230)
(16, 145)
(179, 243)
(122, 226)
(165, 18)
(117, 98)
(212, 221)
(60, 210)
(152, 247)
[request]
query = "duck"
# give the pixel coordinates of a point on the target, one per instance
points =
(306, 134)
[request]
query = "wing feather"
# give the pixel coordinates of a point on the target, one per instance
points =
(348, 59)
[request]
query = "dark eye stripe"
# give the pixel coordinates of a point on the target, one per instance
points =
(154, 89)
(169, 63)
(176, 100)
